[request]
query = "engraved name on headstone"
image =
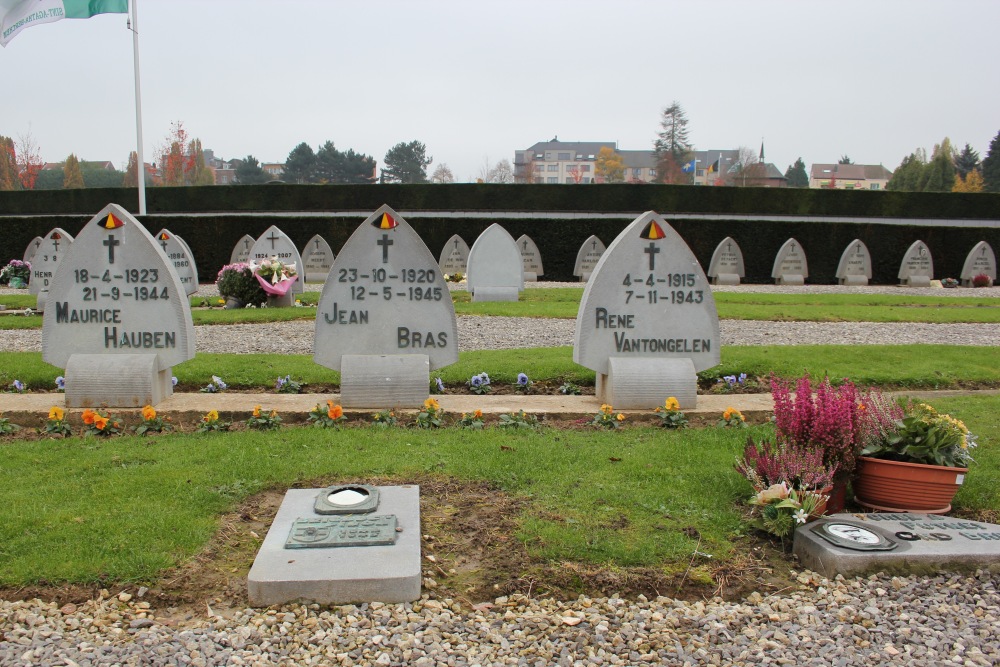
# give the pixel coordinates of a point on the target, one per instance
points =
(917, 267)
(726, 267)
(647, 321)
(496, 270)
(241, 251)
(47, 259)
(587, 258)
(455, 256)
(530, 257)
(275, 243)
(855, 266)
(178, 253)
(981, 261)
(118, 317)
(32, 248)
(317, 258)
(790, 266)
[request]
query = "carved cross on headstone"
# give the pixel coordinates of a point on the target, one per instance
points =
(593, 245)
(385, 242)
(317, 241)
(792, 247)
(246, 244)
(729, 246)
(55, 244)
(111, 242)
(857, 248)
(272, 238)
(38, 243)
(456, 244)
(524, 244)
(651, 250)
(163, 244)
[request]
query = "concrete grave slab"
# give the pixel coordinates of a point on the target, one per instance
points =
(790, 266)
(241, 251)
(726, 266)
(317, 258)
(343, 574)
(917, 267)
(855, 266)
(587, 258)
(906, 543)
(47, 259)
(981, 261)
(496, 270)
(454, 256)
(531, 258)
(179, 254)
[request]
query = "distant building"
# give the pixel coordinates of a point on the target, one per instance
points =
(273, 169)
(574, 162)
(849, 176)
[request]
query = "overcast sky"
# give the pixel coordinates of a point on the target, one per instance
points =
(475, 81)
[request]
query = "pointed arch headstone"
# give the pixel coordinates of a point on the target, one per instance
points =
(587, 258)
(32, 248)
(917, 267)
(276, 243)
(179, 254)
(981, 261)
(531, 258)
(241, 251)
(385, 318)
(726, 266)
(790, 266)
(119, 318)
(455, 256)
(496, 271)
(647, 322)
(855, 266)
(317, 258)
(47, 259)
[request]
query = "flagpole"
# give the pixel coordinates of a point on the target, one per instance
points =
(141, 166)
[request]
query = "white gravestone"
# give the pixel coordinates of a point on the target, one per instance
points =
(496, 271)
(118, 318)
(179, 254)
(29, 252)
(47, 259)
(647, 323)
(241, 251)
(385, 318)
(275, 243)
(531, 258)
(455, 256)
(790, 266)
(587, 258)
(855, 266)
(917, 267)
(981, 261)
(726, 267)
(317, 258)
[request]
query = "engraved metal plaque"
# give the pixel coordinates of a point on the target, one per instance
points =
(852, 536)
(342, 531)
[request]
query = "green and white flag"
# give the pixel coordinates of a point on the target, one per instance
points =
(16, 15)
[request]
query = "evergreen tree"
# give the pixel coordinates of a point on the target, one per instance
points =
(300, 164)
(845, 160)
(908, 174)
(249, 172)
(334, 166)
(991, 166)
(967, 160)
(939, 174)
(406, 163)
(672, 146)
(797, 176)
(131, 178)
(199, 173)
(72, 175)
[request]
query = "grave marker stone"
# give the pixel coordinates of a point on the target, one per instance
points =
(790, 266)
(317, 258)
(32, 248)
(917, 268)
(855, 267)
(903, 542)
(119, 318)
(647, 322)
(179, 254)
(587, 258)
(726, 267)
(496, 271)
(531, 258)
(241, 251)
(455, 256)
(981, 260)
(275, 243)
(47, 259)
(385, 318)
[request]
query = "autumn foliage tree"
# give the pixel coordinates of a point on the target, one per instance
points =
(29, 161)
(72, 174)
(609, 166)
(8, 165)
(182, 161)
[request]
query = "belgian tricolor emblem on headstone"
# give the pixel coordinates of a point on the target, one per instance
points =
(56, 236)
(652, 231)
(385, 222)
(164, 236)
(112, 222)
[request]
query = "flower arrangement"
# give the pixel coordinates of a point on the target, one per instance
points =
(922, 435)
(287, 385)
(261, 421)
(479, 384)
(97, 423)
(607, 418)
(215, 386)
(6, 427)
(569, 389)
(16, 387)
(152, 423)
(732, 418)
(430, 416)
(523, 383)
(237, 281)
(982, 280)
(331, 417)
(56, 423)
(472, 420)
(454, 277)
(729, 384)
(670, 414)
(211, 422)
(274, 276)
(782, 507)
(16, 273)
(385, 419)
(768, 463)
(516, 420)
(61, 383)
(949, 282)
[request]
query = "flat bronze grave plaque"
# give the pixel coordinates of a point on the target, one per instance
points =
(342, 531)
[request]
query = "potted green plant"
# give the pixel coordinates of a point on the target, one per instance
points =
(15, 274)
(914, 461)
(239, 287)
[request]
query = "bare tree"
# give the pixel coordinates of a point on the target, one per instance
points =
(29, 160)
(747, 169)
(442, 174)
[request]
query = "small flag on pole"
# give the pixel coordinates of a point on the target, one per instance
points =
(714, 167)
(16, 15)
(688, 167)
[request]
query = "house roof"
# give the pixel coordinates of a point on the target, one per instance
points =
(580, 149)
(850, 172)
(640, 159)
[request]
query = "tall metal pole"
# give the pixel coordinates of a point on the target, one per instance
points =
(141, 166)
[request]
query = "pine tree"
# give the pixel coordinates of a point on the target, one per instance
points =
(72, 175)
(300, 165)
(797, 176)
(406, 163)
(967, 160)
(672, 146)
(991, 166)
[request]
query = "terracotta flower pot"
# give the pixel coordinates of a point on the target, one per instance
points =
(895, 486)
